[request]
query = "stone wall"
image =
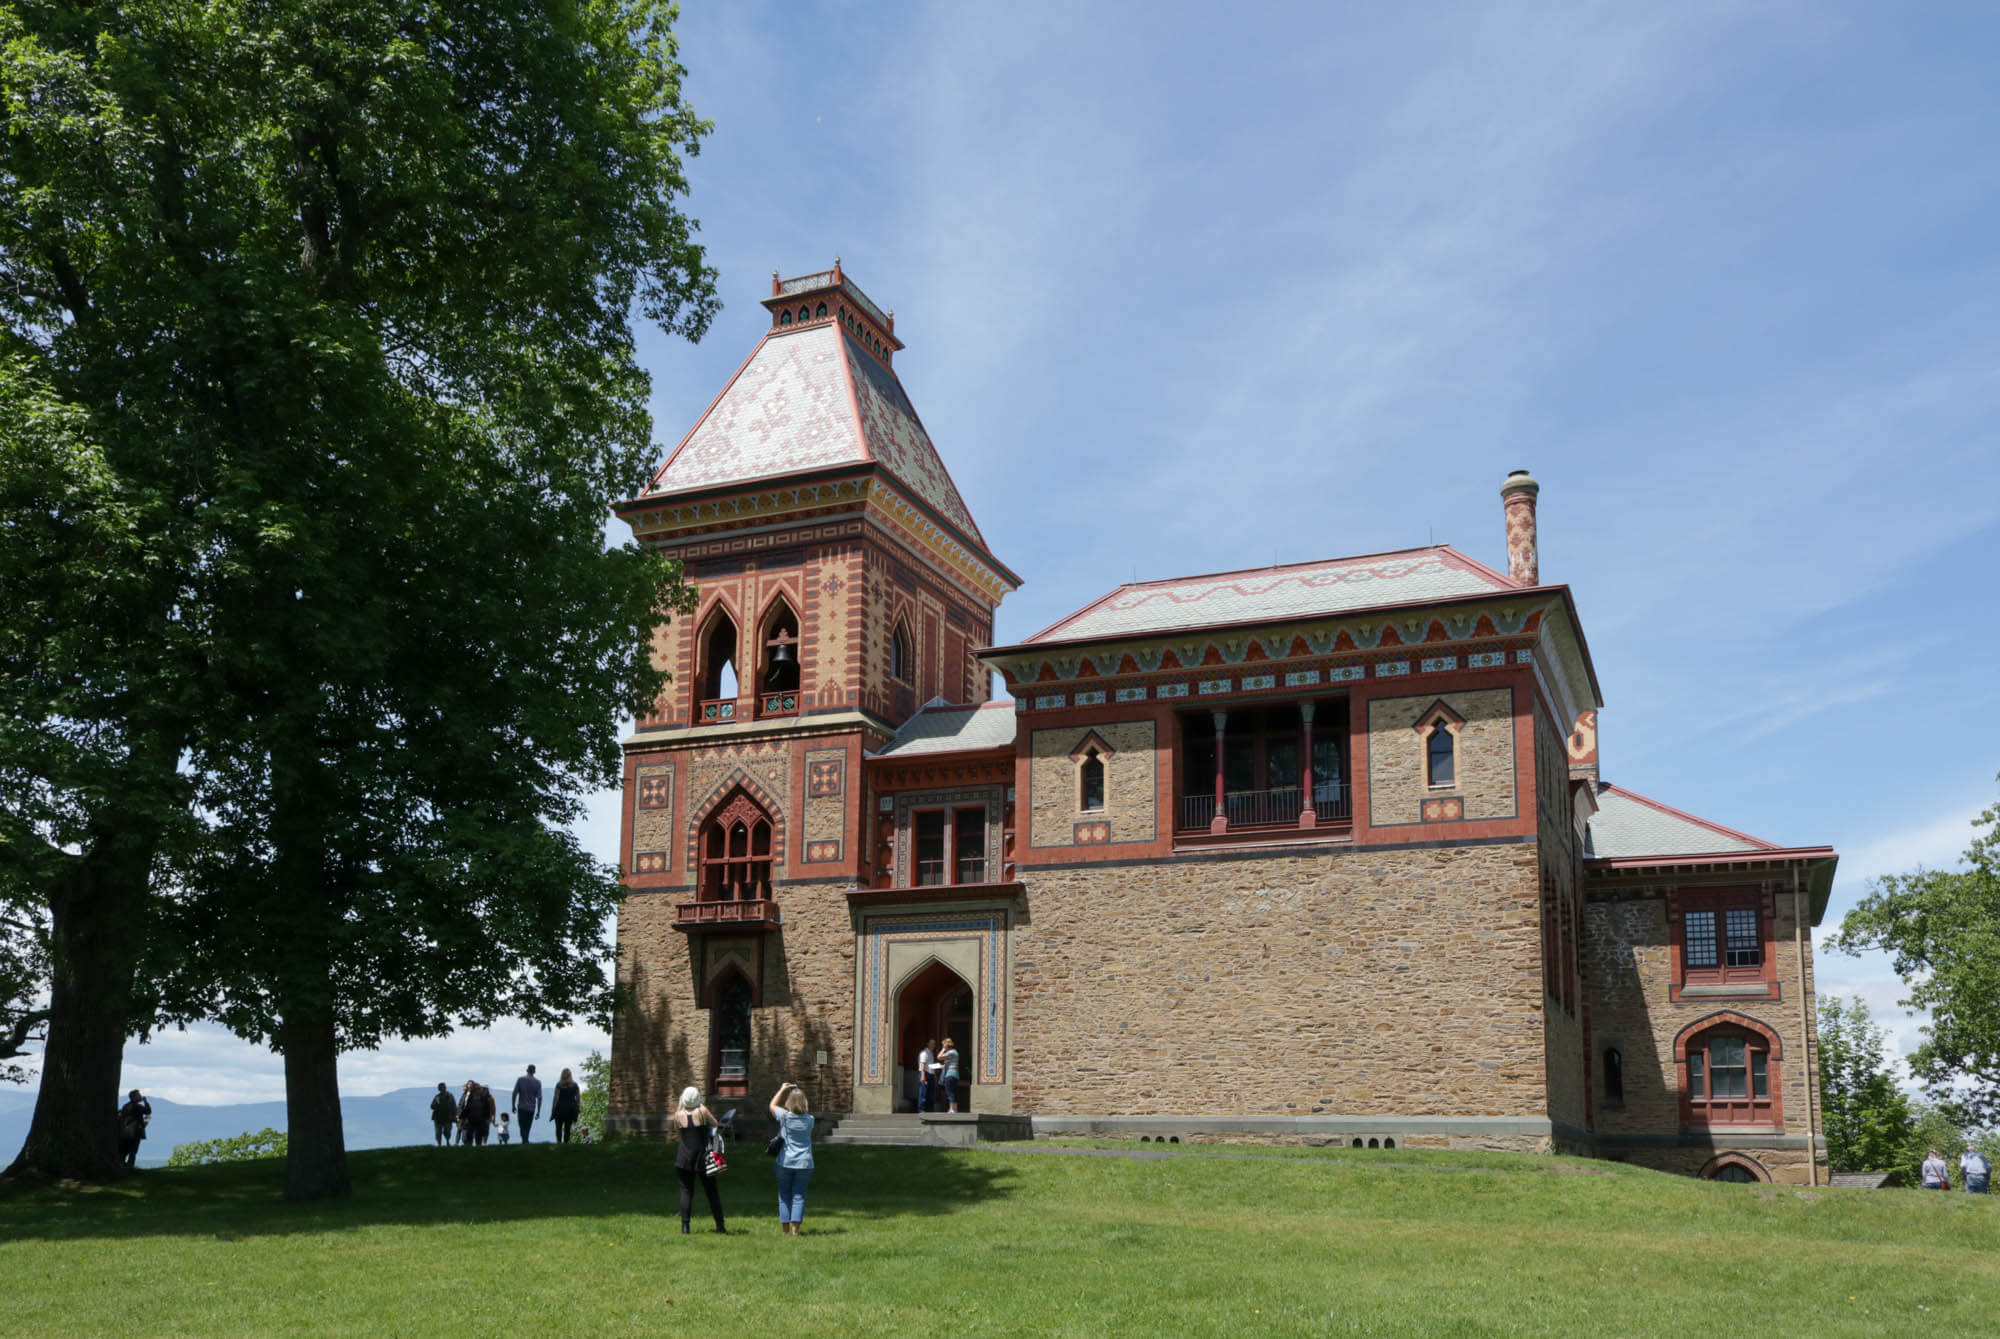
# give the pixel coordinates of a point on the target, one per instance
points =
(1628, 972)
(1130, 785)
(660, 1041)
(1484, 772)
(1360, 982)
(1562, 876)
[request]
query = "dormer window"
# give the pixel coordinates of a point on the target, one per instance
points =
(1441, 750)
(1091, 782)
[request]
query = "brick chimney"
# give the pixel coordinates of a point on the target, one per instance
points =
(1518, 495)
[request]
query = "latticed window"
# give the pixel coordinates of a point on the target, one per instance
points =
(736, 854)
(1722, 938)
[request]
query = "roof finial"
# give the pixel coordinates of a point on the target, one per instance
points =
(774, 283)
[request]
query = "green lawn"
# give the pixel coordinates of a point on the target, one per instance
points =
(578, 1241)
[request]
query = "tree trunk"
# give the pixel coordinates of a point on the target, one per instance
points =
(74, 1132)
(316, 1151)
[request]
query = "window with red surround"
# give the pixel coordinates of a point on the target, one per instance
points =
(736, 854)
(1722, 943)
(950, 846)
(1729, 1073)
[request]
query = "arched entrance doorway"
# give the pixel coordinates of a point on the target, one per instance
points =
(934, 1004)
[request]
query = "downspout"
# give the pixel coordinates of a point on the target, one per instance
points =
(1805, 1030)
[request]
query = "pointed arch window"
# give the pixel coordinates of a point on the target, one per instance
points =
(1090, 782)
(778, 672)
(902, 657)
(736, 854)
(718, 686)
(1441, 755)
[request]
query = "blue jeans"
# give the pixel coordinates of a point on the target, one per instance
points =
(951, 1090)
(792, 1193)
(1975, 1185)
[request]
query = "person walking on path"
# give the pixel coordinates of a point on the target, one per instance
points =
(926, 1062)
(1935, 1174)
(527, 1101)
(1976, 1168)
(563, 1110)
(695, 1125)
(795, 1160)
(133, 1118)
(948, 1061)
(444, 1115)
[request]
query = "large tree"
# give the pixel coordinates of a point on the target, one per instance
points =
(1869, 1123)
(339, 294)
(1942, 928)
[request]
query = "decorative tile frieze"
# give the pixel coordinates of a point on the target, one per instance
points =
(1171, 690)
(1132, 694)
(1049, 701)
(1301, 678)
(1524, 657)
(1486, 660)
(1090, 699)
(1346, 674)
(1253, 682)
(1390, 669)
(1439, 664)
(1209, 687)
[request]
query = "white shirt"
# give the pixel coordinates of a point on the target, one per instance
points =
(924, 1060)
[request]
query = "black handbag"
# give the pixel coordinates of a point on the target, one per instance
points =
(775, 1145)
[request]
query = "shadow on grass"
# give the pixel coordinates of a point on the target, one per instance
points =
(425, 1186)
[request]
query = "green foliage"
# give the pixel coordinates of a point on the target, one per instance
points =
(327, 311)
(1436, 1245)
(595, 1076)
(266, 1143)
(1870, 1124)
(1943, 930)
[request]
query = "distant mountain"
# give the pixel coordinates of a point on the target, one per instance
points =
(385, 1121)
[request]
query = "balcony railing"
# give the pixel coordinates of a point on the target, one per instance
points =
(779, 704)
(1264, 808)
(716, 710)
(756, 913)
(732, 1064)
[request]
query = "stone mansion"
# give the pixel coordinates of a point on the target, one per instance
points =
(1307, 852)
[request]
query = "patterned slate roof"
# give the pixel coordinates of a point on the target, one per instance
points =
(805, 399)
(942, 728)
(1302, 590)
(1628, 825)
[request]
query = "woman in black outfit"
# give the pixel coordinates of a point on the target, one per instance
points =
(696, 1127)
(569, 1101)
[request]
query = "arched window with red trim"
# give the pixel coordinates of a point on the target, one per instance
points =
(736, 853)
(1729, 1074)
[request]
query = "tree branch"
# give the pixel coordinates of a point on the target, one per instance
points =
(16, 1037)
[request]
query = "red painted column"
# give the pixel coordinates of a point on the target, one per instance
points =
(1308, 816)
(1220, 822)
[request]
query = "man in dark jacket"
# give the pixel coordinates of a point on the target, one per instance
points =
(132, 1120)
(444, 1114)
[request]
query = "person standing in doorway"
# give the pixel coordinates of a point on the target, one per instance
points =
(926, 1062)
(695, 1126)
(795, 1160)
(948, 1062)
(444, 1115)
(564, 1109)
(527, 1101)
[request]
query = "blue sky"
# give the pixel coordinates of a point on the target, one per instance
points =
(1189, 288)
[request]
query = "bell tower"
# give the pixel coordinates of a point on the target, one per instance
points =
(841, 583)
